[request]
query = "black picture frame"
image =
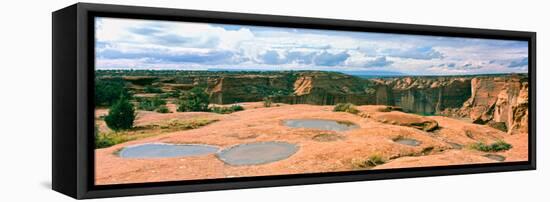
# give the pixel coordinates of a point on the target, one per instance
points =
(73, 103)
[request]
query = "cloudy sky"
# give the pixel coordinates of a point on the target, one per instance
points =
(149, 44)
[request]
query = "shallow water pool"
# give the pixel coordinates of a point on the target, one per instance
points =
(163, 150)
(320, 124)
(407, 141)
(257, 153)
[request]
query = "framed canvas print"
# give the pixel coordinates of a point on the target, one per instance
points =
(155, 100)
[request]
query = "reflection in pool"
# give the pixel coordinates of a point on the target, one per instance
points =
(320, 124)
(163, 150)
(257, 153)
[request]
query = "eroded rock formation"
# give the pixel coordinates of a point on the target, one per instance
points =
(500, 101)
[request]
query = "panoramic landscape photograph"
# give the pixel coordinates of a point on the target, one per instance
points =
(178, 101)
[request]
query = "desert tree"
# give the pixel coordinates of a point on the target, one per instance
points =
(194, 100)
(121, 115)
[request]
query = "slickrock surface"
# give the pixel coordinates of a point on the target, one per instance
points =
(439, 145)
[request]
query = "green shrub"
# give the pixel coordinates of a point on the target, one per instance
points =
(152, 89)
(163, 109)
(375, 160)
(103, 140)
(267, 101)
(494, 147)
(121, 115)
(226, 110)
(194, 100)
(345, 107)
(108, 92)
(151, 104)
(372, 161)
(237, 108)
(175, 93)
(164, 95)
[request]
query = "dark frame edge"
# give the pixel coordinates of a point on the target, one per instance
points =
(122, 192)
(81, 188)
(64, 145)
(532, 128)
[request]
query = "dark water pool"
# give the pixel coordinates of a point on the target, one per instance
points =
(320, 124)
(162, 150)
(257, 153)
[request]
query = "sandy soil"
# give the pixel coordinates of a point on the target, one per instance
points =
(257, 124)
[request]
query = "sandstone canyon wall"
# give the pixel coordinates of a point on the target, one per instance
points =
(500, 101)
(497, 100)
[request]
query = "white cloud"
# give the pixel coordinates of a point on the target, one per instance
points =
(130, 43)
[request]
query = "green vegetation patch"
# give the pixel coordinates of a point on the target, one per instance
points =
(227, 110)
(103, 140)
(194, 100)
(121, 115)
(499, 145)
(267, 101)
(371, 161)
(152, 89)
(107, 139)
(327, 137)
(162, 109)
(108, 91)
(346, 107)
(174, 94)
(151, 104)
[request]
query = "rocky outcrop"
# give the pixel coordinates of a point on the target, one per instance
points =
(428, 95)
(408, 120)
(319, 88)
(248, 88)
(332, 88)
(499, 101)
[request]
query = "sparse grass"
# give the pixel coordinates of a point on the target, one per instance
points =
(375, 160)
(117, 151)
(499, 145)
(151, 104)
(345, 107)
(326, 137)
(175, 124)
(163, 109)
(372, 161)
(107, 139)
(267, 101)
(345, 122)
(226, 110)
(427, 150)
(103, 140)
